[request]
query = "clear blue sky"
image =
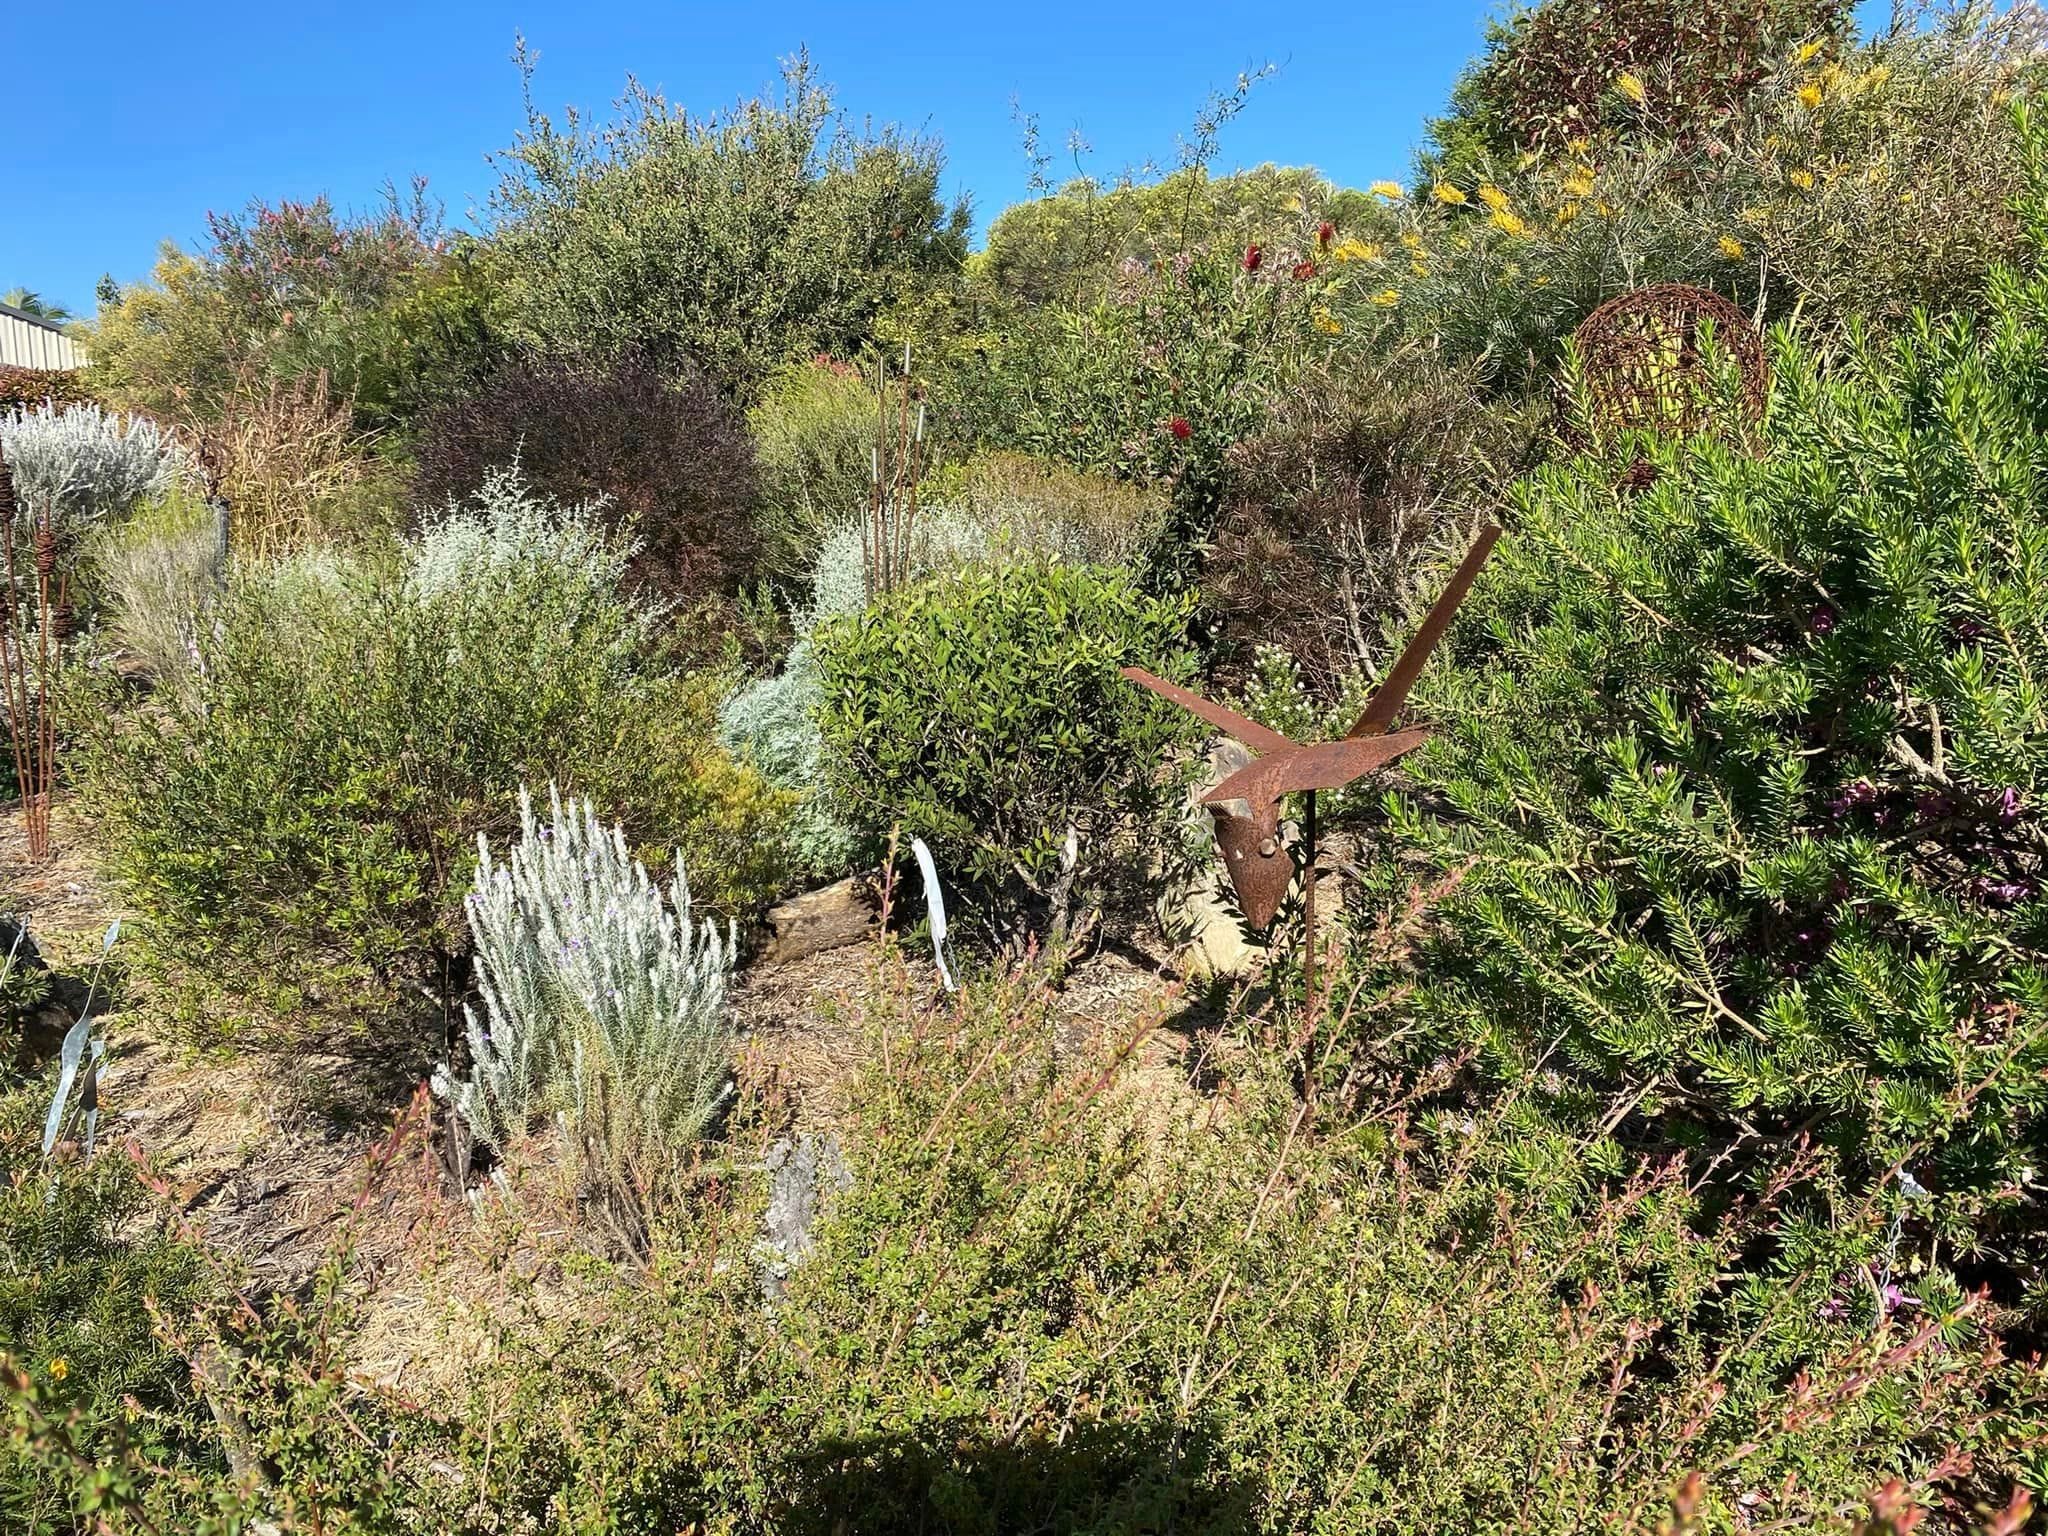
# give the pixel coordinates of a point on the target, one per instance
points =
(129, 120)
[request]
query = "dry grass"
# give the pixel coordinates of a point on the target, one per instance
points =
(293, 469)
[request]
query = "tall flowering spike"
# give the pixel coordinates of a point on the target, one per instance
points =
(7, 503)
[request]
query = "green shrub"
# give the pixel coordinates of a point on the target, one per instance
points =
(739, 241)
(86, 1378)
(984, 712)
(1155, 384)
(1666, 70)
(1065, 247)
(280, 293)
(1036, 509)
(1743, 776)
(814, 432)
(1055, 1298)
(358, 722)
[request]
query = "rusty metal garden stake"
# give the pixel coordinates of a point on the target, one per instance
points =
(1260, 870)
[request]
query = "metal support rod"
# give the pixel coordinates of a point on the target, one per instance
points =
(1308, 919)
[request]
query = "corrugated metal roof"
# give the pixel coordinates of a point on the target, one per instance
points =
(34, 341)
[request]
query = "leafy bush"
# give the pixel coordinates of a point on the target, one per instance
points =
(86, 1379)
(359, 722)
(984, 712)
(662, 447)
(1740, 778)
(740, 241)
(281, 292)
(1154, 385)
(1047, 1299)
(1066, 246)
(603, 1003)
(1855, 183)
(88, 464)
(814, 433)
(1562, 70)
(24, 388)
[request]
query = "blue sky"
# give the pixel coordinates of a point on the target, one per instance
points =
(131, 120)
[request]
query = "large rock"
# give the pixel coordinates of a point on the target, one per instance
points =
(838, 915)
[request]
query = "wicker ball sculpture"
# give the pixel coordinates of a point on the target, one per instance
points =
(1646, 364)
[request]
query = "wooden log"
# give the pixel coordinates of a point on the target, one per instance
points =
(831, 918)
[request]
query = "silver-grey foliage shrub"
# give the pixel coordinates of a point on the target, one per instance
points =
(507, 529)
(91, 465)
(604, 1002)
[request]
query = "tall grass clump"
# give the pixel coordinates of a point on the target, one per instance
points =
(161, 575)
(604, 1002)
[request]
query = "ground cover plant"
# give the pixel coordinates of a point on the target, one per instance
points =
(528, 1099)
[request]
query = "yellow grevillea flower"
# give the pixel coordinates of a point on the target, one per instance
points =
(1387, 298)
(1631, 86)
(1326, 322)
(1579, 145)
(1806, 52)
(1390, 190)
(1411, 240)
(1444, 192)
(1580, 182)
(1492, 196)
(1810, 95)
(1513, 223)
(59, 1368)
(1354, 249)
(1603, 208)
(1803, 180)
(1731, 247)
(1419, 267)
(1875, 76)
(1565, 214)
(1754, 215)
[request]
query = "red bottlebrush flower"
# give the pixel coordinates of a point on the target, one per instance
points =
(1179, 425)
(1304, 270)
(1325, 233)
(1254, 258)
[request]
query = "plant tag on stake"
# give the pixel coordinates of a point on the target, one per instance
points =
(936, 900)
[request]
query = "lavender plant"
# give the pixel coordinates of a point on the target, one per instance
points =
(604, 1003)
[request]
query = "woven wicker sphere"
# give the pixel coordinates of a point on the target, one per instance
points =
(1646, 364)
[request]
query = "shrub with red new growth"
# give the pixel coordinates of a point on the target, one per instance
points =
(33, 386)
(669, 450)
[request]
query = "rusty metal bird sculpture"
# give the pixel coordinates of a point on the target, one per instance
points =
(1260, 869)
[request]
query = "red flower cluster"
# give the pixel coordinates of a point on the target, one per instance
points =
(1254, 258)
(1304, 270)
(1179, 425)
(1325, 233)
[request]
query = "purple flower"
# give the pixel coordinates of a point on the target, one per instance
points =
(2009, 805)
(1822, 620)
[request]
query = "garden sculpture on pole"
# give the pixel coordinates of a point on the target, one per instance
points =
(1260, 868)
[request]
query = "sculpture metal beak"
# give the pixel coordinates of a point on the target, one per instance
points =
(1259, 866)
